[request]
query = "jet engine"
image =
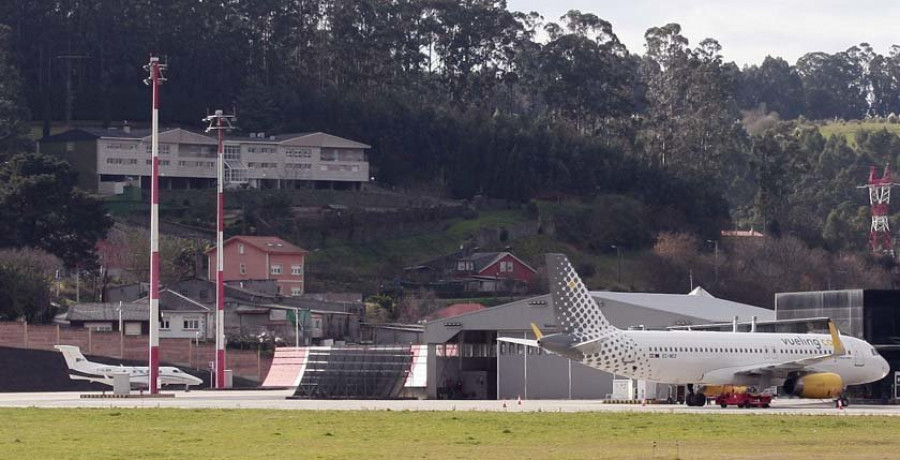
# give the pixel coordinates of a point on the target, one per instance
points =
(815, 386)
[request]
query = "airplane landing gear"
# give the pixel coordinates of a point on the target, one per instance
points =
(841, 401)
(694, 399)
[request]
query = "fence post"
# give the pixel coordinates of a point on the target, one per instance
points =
(90, 343)
(258, 364)
(25, 325)
(57, 333)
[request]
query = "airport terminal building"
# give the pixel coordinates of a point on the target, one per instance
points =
(465, 361)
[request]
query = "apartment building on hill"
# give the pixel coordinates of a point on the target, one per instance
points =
(107, 160)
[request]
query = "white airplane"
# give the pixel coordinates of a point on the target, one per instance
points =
(815, 366)
(82, 369)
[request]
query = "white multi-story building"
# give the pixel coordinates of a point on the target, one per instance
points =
(108, 160)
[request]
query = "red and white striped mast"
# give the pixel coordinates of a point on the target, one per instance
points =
(155, 68)
(220, 122)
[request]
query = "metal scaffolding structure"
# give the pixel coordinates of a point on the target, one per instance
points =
(880, 238)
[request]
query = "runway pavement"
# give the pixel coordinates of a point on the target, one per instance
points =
(269, 399)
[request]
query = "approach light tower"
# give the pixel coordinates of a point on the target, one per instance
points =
(154, 80)
(880, 239)
(220, 122)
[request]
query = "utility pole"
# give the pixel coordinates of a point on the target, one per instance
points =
(154, 80)
(70, 96)
(618, 263)
(716, 266)
(220, 122)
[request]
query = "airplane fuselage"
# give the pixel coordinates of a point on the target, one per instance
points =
(712, 358)
(140, 377)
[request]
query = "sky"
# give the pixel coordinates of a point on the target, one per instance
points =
(748, 30)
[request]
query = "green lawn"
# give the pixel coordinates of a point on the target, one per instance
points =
(250, 434)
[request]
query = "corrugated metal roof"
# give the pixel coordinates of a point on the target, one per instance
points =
(107, 312)
(700, 306)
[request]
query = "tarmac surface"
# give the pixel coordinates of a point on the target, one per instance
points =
(276, 399)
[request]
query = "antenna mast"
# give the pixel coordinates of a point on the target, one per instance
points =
(154, 80)
(220, 122)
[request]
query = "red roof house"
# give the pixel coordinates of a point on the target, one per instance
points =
(262, 257)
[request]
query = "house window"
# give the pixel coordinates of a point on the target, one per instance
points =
(232, 152)
(465, 265)
(295, 291)
(70, 146)
(241, 248)
(276, 269)
(164, 324)
(191, 324)
(297, 270)
(243, 269)
(298, 152)
(506, 266)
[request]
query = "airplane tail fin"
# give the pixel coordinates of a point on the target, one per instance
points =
(576, 311)
(72, 354)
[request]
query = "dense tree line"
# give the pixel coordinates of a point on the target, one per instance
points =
(472, 98)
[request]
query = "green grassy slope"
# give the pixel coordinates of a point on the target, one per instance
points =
(848, 129)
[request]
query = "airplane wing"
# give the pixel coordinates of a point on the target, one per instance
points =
(104, 381)
(775, 369)
(526, 342)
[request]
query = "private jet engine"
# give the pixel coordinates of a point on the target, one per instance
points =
(821, 385)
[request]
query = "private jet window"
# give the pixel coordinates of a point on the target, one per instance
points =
(874, 353)
(502, 348)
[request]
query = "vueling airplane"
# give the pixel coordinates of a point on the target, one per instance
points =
(807, 365)
(82, 369)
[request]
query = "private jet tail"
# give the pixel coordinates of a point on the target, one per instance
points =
(74, 359)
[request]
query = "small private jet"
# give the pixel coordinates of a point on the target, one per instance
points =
(817, 366)
(82, 369)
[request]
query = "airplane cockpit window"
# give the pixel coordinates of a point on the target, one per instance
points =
(874, 353)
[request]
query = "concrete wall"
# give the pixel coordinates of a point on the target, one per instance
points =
(247, 364)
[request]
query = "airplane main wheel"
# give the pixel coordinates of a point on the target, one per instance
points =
(695, 400)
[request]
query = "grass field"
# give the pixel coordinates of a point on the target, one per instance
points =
(248, 434)
(848, 129)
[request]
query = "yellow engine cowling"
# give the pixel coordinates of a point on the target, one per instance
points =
(815, 386)
(714, 391)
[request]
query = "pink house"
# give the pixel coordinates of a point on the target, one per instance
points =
(262, 258)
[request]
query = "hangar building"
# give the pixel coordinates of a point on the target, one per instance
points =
(466, 361)
(869, 314)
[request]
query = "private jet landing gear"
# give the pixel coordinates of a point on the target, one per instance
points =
(694, 399)
(841, 401)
